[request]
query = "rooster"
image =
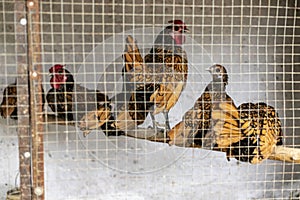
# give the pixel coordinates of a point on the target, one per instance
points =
(8, 106)
(71, 102)
(248, 133)
(60, 95)
(196, 122)
(159, 77)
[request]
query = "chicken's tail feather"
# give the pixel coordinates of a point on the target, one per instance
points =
(226, 124)
(132, 56)
(100, 118)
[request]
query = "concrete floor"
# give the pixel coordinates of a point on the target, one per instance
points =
(255, 40)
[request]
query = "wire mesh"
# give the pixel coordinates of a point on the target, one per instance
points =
(257, 42)
(9, 140)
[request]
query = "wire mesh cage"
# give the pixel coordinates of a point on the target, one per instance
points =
(72, 136)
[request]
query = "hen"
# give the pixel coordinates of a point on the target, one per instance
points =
(194, 129)
(9, 105)
(257, 125)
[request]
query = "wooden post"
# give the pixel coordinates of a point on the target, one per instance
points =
(24, 135)
(36, 98)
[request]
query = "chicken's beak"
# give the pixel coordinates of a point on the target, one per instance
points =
(208, 69)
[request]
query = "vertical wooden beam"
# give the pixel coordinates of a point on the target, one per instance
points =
(24, 135)
(36, 98)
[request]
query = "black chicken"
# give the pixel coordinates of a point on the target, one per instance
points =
(72, 102)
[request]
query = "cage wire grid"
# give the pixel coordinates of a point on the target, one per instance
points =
(257, 42)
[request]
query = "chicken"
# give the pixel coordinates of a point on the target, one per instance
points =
(9, 103)
(196, 122)
(158, 79)
(72, 102)
(8, 106)
(256, 127)
(100, 118)
(60, 95)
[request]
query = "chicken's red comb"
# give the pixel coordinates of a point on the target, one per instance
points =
(178, 22)
(56, 67)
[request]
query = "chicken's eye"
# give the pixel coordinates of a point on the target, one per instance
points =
(218, 70)
(60, 71)
(176, 28)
